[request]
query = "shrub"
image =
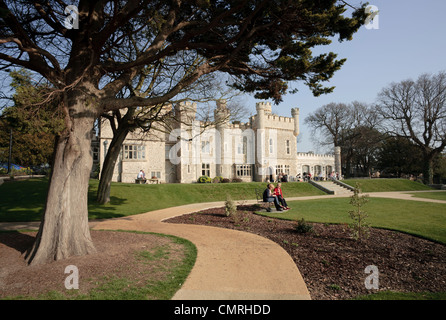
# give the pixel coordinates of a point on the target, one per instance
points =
(204, 179)
(237, 180)
(303, 227)
(225, 180)
(217, 179)
(230, 206)
(359, 227)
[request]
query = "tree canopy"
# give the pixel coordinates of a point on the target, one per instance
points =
(262, 44)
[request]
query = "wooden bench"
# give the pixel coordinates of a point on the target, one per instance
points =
(259, 196)
(140, 181)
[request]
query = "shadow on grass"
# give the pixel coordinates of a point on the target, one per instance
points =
(105, 211)
(24, 201)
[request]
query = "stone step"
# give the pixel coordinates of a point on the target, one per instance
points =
(335, 188)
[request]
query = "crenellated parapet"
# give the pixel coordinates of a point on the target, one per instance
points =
(264, 107)
(315, 156)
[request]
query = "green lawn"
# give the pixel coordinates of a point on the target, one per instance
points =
(439, 195)
(391, 295)
(382, 185)
(420, 218)
(24, 200)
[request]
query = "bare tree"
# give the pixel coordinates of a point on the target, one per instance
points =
(330, 122)
(353, 127)
(416, 110)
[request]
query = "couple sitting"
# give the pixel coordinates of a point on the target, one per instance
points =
(275, 195)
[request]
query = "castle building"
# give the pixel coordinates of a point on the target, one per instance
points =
(262, 149)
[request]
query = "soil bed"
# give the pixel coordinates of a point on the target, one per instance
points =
(120, 255)
(332, 263)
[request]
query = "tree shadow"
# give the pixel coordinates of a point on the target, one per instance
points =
(17, 240)
(99, 211)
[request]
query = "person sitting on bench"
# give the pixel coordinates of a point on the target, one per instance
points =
(141, 176)
(268, 196)
(279, 194)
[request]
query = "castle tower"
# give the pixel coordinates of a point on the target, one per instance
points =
(295, 114)
(263, 108)
(221, 117)
(263, 172)
(338, 166)
(185, 114)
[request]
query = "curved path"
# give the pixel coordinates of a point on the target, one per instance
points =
(230, 264)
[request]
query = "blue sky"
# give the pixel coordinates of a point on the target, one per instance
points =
(410, 41)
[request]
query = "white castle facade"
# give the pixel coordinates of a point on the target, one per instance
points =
(262, 149)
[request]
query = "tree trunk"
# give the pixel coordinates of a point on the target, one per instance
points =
(428, 169)
(103, 195)
(64, 230)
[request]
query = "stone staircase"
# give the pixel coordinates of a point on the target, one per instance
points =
(333, 188)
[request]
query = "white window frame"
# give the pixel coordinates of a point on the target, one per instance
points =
(134, 152)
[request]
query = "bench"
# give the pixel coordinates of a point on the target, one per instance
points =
(154, 181)
(259, 196)
(140, 181)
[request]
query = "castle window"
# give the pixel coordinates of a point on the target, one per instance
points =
(271, 146)
(279, 169)
(155, 174)
(244, 170)
(287, 169)
(288, 151)
(242, 145)
(206, 169)
(205, 147)
(134, 152)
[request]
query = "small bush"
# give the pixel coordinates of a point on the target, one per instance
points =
(225, 180)
(204, 179)
(303, 227)
(230, 206)
(217, 179)
(360, 226)
(237, 180)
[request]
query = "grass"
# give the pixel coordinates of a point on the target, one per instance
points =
(423, 219)
(392, 295)
(382, 185)
(438, 195)
(24, 200)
